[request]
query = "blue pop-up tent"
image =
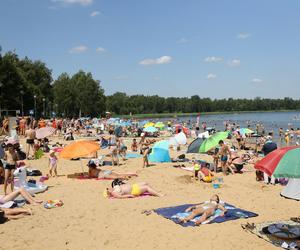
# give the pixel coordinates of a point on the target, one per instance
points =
(160, 152)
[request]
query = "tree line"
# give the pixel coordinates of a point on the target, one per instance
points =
(28, 86)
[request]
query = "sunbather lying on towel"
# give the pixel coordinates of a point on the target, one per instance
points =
(205, 209)
(131, 191)
(95, 172)
(22, 191)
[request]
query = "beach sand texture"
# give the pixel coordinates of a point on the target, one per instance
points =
(89, 221)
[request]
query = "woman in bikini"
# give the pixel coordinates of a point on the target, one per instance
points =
(130, 191)
(11, 159)
(205, 209)
(95, 172)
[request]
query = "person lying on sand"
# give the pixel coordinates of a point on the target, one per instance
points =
(205, 209)
(23, 192)
(15, 213)
(130, 191)
(95, 172)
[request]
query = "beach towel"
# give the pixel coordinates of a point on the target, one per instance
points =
(53, 203)
(178, 212)
(133, 156)
(80, 176)
(261, 231)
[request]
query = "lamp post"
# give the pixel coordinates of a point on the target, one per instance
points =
(44, 107)
(22, 108)
(34, 106)
(1, 84)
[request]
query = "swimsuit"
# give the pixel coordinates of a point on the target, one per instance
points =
(136, 190)
(30, 141)
(104, 173)
(224, 158)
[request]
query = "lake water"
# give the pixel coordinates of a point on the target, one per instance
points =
(271, 121)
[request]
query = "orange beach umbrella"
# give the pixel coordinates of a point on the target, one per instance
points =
(79, 149)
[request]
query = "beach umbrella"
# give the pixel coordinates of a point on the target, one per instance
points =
(79, 149)
(149, 124)
(159, 125)
(180, 138)
(212, 141)
(160, 152)
(281, 163)
(194, 147)
(150, 129)
(44, 132)
(246, 131)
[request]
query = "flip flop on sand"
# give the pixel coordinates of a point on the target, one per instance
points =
(248, 226)
(295, 219)
(147, 212)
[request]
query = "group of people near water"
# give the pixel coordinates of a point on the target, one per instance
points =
(226, 156)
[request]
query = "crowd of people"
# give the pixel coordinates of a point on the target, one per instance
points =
(229, 156)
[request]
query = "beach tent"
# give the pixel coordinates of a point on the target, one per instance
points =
(292, 189)
(194, 147)
(160, 152)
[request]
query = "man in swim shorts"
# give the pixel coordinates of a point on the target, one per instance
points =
(205, 209)
(30, 136)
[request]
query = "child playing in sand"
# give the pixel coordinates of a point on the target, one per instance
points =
(196, 168)
(52, 163)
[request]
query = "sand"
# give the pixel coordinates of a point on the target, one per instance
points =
(89, 221)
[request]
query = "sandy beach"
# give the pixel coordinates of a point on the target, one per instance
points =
(89, 221)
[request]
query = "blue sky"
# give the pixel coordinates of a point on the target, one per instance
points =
(213, 48)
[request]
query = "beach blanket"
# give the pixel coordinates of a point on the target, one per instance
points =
(260, 231)
(80, 176)
(133, 156)
(140, 196)
(178, 212)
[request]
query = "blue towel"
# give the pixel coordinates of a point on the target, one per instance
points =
(178, 212)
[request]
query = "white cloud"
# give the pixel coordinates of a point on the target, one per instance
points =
(121, 77)
(211, 59)
(156, 78)
(95, 13)
(160, 60)
(69, 2)
(78, 49)
(256, 80)
(182, 40)
(211, 76)
(243, 36)
(234, 62)
(100, 50)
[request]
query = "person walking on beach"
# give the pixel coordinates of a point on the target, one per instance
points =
(30, 136)
(267, 148)
(224, 152)
(52, 163)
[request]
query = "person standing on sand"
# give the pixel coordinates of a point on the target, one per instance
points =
(224, 152)
(30, 136)
(11, 159)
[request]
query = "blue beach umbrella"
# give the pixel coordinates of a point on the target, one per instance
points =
(150, 129)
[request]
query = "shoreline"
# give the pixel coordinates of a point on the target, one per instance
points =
(174, 115)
